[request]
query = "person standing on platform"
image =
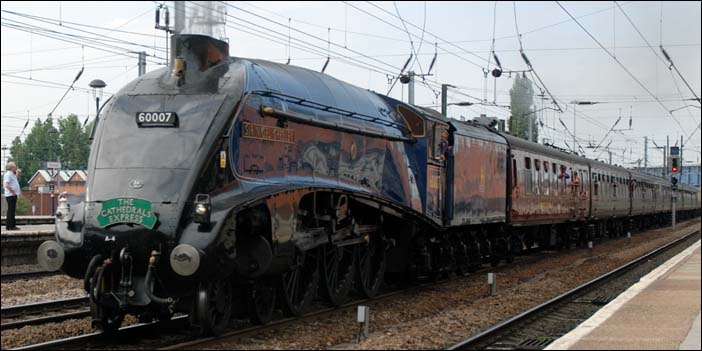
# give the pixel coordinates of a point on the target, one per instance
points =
(12, 191)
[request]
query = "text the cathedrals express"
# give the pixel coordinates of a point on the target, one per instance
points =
(126, 210)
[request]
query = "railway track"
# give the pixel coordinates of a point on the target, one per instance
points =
(180, 337)
(206, 343)
(175, 334)
(536, 328)
(44, 312)
(15, 276)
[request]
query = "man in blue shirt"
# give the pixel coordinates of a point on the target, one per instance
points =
(12, 191)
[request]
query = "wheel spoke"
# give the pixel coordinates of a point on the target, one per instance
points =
(371, 266)
(297, 284)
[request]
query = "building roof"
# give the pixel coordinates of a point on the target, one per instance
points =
(65, 175)
(41, 173)
(79, 176)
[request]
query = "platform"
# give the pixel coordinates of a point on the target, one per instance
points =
(30, 230)
(660, 312)
(27, 220)
(20, 246)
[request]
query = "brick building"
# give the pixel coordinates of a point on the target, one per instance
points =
(38, 192)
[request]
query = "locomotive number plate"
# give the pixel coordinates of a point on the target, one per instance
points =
(156, 119)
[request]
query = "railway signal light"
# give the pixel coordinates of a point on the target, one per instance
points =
(674, 164)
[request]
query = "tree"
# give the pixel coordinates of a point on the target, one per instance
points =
(70, 145)
(37, 148)
(74, 143)
(24, 206)
(521, 101)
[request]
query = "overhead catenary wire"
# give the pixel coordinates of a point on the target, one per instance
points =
(409, 36)
(430, 33)
(70, 64)
(415, 52)
(664, 61)
(316, 48)
(254, 29)
(301, 32)
(398, 28)
(621, 65)
(101, 37)
(490, 55)
(93, 44)
(528, 63)
(672, 65)
(559, 96)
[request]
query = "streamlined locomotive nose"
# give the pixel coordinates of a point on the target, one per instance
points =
(50, 255)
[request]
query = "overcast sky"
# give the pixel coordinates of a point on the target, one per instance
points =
(370, 37)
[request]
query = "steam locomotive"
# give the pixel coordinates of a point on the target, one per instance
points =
(225, 186)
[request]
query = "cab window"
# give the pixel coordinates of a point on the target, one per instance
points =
(414, 122)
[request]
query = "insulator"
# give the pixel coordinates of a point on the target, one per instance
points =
(497, 61)
(325, 65)
(526, 59)
(406, 63)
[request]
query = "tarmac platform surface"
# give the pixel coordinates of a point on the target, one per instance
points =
(660, 312)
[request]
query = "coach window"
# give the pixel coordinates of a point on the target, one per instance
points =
(527, 175)
(547, 180)
(614, 187)
(537, 167)
(596, 185)
(514, 173)
(554, 183)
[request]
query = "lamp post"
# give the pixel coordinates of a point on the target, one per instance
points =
(53, 134)
(98, 85)
(576, 102)
(462, 103)
(444, 98)
(4, 148)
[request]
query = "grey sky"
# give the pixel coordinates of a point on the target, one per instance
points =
(571, 64)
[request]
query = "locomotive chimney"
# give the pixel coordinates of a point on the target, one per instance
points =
(198, 42)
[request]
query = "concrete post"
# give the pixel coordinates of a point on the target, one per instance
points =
(410, 88)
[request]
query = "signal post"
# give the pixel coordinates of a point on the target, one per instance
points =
(674, 162)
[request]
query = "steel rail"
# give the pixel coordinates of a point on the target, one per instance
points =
(11, 277)
(86, 341)
(129, 332)
(207, 342)
(46, 319)
(38, 307)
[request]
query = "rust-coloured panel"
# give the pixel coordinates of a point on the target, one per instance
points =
(543, 197)
(435, 190)
(480, 175)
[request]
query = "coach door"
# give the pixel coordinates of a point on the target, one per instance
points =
(439, 156)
